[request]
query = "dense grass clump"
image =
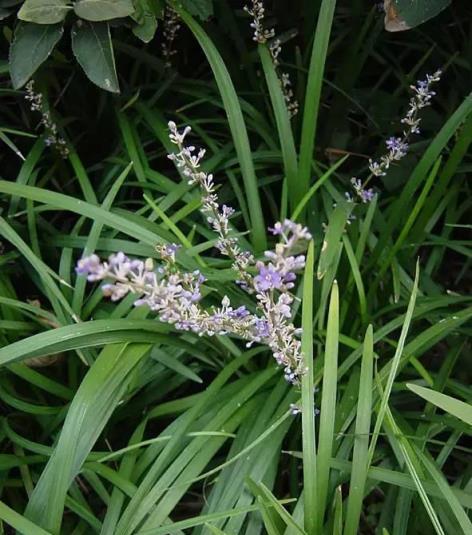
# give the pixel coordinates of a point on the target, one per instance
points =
(117, 423)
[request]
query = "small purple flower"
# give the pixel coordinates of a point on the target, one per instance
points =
(173, 247)
(240, 312)
(262, 328)
(268, 279)
(277, 229)
(366, 195)
(397, 147)
(90, 266)
(290, 276)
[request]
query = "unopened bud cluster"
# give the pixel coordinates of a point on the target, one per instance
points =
(263, 35)
(171, 27)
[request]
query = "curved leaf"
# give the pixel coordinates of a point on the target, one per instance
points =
(453, 406)
(98, 395)
(403, 15)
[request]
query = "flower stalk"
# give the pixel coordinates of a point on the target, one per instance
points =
(176, 296)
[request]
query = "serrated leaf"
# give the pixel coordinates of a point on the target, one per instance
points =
(44, 11)
(403, 15)
(91, 44)
(30, 47)
(203, 9)
(101, 10)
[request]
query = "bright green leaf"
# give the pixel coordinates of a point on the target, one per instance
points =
(100, 10)
(44, 11)
(146, 26)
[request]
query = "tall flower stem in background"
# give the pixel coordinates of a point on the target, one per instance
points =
(263, 35)
(398, 146)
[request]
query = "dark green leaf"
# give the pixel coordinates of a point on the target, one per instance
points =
(100, 10)
(4, 13)
(44, 11)
(31, 46)
(91, 44)
(201, 8)
(405, 14)
(145, 17)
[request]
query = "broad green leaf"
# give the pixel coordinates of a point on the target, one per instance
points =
(101, 10)
(146, 20)
(91, 44)
(30, 47)
(402, 15)
(87, 334)
(147, 29)
(453, 406)
(201, 8)
(44, 11)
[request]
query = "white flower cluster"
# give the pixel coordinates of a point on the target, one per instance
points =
(176, 296)
(263, 35)
(53, 138)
